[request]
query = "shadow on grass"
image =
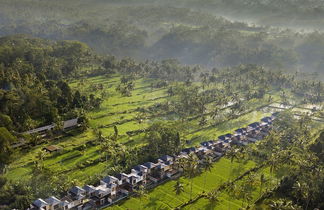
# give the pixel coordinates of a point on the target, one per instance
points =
(223, 126)
(211, 205)
(152, 203)
(238, 169)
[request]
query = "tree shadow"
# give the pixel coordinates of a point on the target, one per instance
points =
(152, 203)
(238, 170)
(211, 205)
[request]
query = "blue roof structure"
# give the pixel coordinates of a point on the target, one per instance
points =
(254, 125)
(266, 119)
(149, 165)
(222, 138)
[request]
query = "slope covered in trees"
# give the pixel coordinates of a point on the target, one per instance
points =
(185, 30)
(137, 111)
(33, 87)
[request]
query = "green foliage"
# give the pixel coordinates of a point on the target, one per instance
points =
(187, 30)
(162, 138)
(32, 89)
(6, 139)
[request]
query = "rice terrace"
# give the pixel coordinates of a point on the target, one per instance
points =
(124, 105)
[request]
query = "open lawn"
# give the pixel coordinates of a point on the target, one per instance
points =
(164, 197)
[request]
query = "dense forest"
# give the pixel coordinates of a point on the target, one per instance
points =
(33, 90)
(158, 31)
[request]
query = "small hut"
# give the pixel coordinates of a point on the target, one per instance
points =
(52, 148)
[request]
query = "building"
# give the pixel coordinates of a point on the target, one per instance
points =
(53, 203)
(68, 124)
(114, 188)
(41, 130)
(52, 148)
(40, 204)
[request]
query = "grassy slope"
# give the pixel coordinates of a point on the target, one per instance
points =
(116, 108)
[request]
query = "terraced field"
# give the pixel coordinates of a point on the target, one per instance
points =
(120, 111)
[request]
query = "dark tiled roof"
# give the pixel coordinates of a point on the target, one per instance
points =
(222, 137)
(89, 188)
(52, 200)
(240, 130)
(40, 203)
(149, 165)
(166, 158)
(266, 119)
(254, 125)
(189, 150)
(76, 190)
(228, 135)
(109, 179)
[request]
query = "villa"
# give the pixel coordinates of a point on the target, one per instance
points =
(114, 188)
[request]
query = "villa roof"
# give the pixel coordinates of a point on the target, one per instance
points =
(240, 130)
(166, 158)
(149, 165)
(40, 203)
(76, 190)
(228, 135)
(52, 200)
(140, 168)
(254, 125)
(189, 150)
(222, 137)
(266, 119)
(109, 179)
(89, 188)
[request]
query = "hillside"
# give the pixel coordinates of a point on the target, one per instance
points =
(191, 32)
(129, 113)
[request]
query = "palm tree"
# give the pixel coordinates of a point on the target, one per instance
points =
(141, 193)
(232, 154)
(178, 188)
(282, 204)
(105, 148)
(40, 159)
(273, 164)
(191, 169)
(213, 198)
(263, 180)
(207, 166)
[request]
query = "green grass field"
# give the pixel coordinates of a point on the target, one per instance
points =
(122, 111)
(163, 196)
(119, 110)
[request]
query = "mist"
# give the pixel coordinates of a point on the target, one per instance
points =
(209, 33)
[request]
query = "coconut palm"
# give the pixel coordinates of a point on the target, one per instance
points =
(263, 180)
(141, 193)
(191, 169)
(213, 198)
(282, 204)
(232, 154)
(178, 187)
(207, 166)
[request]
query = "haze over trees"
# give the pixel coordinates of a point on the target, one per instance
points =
(191, 31)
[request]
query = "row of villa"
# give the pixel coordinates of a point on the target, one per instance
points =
(114, 188)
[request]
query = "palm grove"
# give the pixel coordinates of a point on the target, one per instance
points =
(35, 91)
